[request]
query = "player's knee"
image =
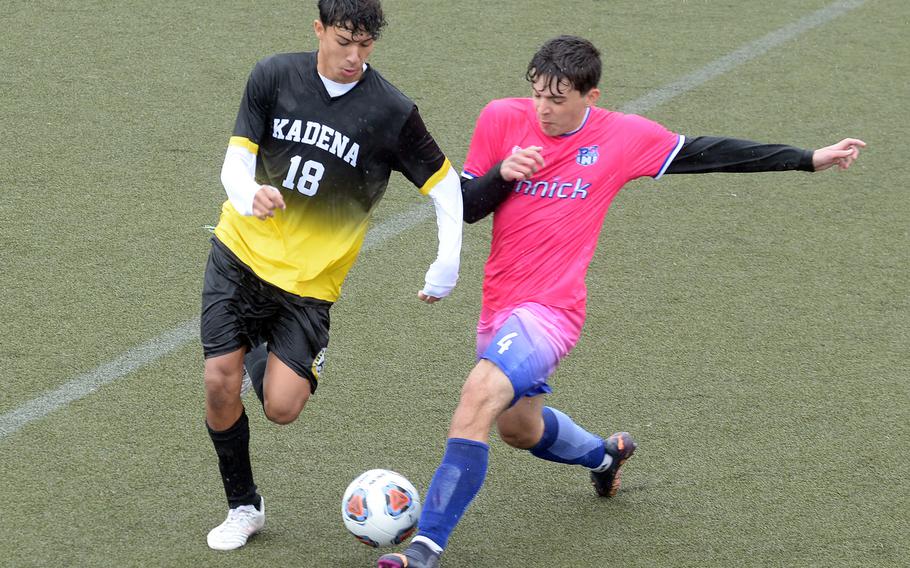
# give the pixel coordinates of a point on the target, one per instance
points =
(516, 437)
(281, 416)
(509, 435)
(283, 412)
(519, 433)
(518, 441)
(484, 395)
(222, 385)
(483, 389)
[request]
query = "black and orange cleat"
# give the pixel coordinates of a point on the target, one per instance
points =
(620, 446)
(418, 555)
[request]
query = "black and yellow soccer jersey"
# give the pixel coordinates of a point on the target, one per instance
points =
(331, 158)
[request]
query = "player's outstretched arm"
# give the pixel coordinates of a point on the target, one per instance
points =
(842, 154)
(712, 154)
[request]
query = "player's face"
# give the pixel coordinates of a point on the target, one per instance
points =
(342, 52)
(560, 107)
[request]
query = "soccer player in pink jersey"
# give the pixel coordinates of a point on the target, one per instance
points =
(549, 166)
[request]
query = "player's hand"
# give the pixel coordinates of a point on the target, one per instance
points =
(266, 201)
(427, 299)
(841, 154)
(432, 293)
(522, 164)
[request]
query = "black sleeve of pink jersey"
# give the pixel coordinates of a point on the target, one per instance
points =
(418, 156)
(707, 154)
(256, 104)
(481, 196)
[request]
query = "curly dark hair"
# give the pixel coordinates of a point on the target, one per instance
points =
(566, 58)
(364, 16)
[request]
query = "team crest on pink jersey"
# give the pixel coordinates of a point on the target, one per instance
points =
(587, 156)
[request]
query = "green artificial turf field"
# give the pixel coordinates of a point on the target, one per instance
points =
(751, 331)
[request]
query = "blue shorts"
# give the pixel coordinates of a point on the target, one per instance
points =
(527, 347)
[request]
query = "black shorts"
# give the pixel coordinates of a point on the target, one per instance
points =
(240, 310)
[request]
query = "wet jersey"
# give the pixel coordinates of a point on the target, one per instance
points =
(331, 158)
(545, 232)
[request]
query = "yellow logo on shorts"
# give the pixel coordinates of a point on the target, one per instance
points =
(318, 363)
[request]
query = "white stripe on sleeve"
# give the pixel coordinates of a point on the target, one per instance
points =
(669, 160)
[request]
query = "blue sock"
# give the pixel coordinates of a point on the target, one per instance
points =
(457, 480)
(564, 441)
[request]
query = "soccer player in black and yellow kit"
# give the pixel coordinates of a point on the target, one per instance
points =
(316, 139)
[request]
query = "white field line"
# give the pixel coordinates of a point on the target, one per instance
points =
(166, 343)
(178, 337)
(742, 55)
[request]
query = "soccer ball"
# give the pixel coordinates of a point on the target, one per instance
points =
(380, 508)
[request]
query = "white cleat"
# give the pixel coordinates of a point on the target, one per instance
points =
(241, 523)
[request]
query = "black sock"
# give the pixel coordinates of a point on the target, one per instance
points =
(233, 449)
(255, 361)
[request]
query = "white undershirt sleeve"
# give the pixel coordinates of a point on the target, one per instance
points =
(443, 273)
(238, 178)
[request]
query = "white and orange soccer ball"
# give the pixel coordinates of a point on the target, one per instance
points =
(380, 508)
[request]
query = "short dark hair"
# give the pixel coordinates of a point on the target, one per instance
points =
(566, 58)
(363, 16)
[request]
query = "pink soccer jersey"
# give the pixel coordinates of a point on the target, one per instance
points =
(545, 232)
